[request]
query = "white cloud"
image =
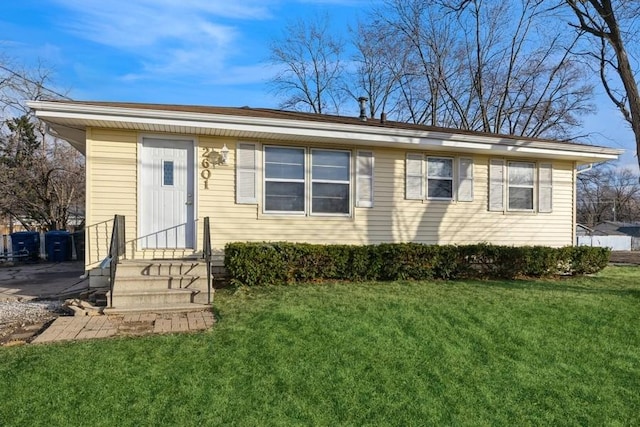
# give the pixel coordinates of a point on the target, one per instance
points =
(187, 37)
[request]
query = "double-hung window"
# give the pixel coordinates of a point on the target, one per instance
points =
(284, 179)
(439, 178)
(521, 178)
(330, 182)
(518, 186)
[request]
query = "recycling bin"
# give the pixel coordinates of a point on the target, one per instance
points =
(25, 245)
(58, 245)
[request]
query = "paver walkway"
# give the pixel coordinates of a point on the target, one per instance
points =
(86, 327)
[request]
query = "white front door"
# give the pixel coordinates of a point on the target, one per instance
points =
(166, 212)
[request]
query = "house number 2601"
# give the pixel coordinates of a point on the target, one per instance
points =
(206, 165)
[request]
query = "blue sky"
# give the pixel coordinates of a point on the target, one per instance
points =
(208, 52)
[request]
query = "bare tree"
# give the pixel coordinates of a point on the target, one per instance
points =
(484, 65)
(310, 62)
(41, 184)
(612, 26)
(42, 177)
(606, 193)
(376, 74)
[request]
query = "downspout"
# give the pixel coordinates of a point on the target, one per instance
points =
(574, 221)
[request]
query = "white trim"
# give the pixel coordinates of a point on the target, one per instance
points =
(86, 115)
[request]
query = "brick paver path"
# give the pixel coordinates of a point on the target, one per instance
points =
(88, 327)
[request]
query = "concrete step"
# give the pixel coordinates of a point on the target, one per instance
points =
(144, 283)
(151, 298)
(161, 268)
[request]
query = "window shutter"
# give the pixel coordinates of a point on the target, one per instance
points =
(465, 180)
(496, 185)
(246, 173)
(364, 179)
(545, 187)
(414, 177)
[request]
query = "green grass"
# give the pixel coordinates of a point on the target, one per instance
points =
(561, 352)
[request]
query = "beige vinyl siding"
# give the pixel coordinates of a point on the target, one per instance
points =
(392, 218)
(111, 163)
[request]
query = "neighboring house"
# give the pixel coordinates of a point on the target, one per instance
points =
(270, 175)
(617, 228)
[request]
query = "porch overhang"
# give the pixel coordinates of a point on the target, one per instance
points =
(69, 121)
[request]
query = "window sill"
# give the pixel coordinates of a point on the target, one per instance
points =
(301, 216)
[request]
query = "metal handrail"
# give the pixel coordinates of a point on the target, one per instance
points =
(98, 233)
(116, 250)
(206, 255)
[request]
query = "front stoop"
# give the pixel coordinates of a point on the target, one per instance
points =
(159, 285)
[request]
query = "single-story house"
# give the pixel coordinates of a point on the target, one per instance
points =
(271, 175)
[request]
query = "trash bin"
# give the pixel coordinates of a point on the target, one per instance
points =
(78, 241)
(58, 245)
(25, 245)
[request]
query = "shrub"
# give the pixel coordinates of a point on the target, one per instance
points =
(255, 264)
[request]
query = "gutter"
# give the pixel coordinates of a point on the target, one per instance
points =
(349, 133)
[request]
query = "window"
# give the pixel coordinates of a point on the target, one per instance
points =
(291, 187)
(436, 180)
(284, 179)
(520, 186)
(439, 178)
(330, 178)
(520, 191)
(167, 173)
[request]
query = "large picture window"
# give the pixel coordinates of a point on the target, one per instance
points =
(521, 178)
(284, 179)
(290, 187)
(330, 178)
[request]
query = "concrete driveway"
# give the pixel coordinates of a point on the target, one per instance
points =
(24, 282)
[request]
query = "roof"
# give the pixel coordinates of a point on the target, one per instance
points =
(616, 228)
(69, 119)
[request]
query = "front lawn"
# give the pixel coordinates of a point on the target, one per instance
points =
(561, 352)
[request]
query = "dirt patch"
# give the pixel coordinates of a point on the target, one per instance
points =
(23, 332)
(140, 327)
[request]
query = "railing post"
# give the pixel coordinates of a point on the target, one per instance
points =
(116, 250)
(206, 254)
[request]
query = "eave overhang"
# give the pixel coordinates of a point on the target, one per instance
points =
(69, 121)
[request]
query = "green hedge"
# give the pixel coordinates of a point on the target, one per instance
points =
(256, 264)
